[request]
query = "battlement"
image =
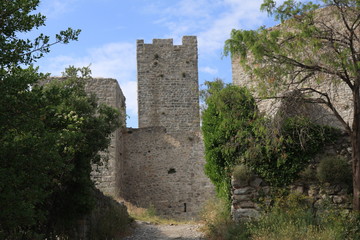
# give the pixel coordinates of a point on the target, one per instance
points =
(186, 41)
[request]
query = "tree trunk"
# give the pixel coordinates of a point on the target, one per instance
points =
(355, 143)
(356, 170)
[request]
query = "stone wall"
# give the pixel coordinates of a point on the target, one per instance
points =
(168, 93)
(339, 93)
(106, 175)
(165, 171)
(160, 164)
(248, 197)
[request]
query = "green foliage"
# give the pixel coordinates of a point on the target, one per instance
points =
(304, 52)
(228, 109)
(234, 133)
(278, 156)
(218, 223)
(109, 219)
(50, 135)
(291, 217)
(242, 173)
(334, 170)
(18, 17)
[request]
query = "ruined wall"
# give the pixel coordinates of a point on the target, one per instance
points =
(106, 176)
(168, 93)
(165, 171)
(339, 93)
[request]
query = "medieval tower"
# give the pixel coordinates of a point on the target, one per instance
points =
(168, 93)
(161, 163)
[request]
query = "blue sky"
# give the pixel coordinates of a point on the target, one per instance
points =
(110, 29)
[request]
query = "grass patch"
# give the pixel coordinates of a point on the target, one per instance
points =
(218, 224)
(290, 218)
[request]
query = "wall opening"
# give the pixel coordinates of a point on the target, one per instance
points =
(171, 171)
(184, 207)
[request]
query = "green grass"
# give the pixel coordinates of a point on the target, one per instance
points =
(290, 218)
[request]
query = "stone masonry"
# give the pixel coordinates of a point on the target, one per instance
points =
(168, 92)
(159, 165)
(339, 93)
(106, 176)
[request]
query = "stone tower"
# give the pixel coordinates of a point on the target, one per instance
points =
(163, 160)
(168, 93)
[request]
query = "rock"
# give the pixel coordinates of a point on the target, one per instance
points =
(241, 214)
(238, 184)
(337, 199)
(256, 182)
(313, 191)
(299, 189)
(242, 191)
(247, 204)
(239, 198)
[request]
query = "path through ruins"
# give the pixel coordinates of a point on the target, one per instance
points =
(148, 231)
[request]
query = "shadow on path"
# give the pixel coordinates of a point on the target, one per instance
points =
(148, 231)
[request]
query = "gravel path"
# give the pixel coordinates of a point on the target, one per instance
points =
(147, 231)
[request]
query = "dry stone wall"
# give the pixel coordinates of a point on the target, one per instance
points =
(250, 197)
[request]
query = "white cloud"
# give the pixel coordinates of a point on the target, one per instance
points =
(113, 60)
(211, 20)
(55, 8)
(209, 70)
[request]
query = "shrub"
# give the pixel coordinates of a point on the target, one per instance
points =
(334, 170)
(218, 224)
(226, 119)
(279, 155)
(292, 218)
(242, 173)
(110, 223)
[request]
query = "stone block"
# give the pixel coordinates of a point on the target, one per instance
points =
(242, 191)
(256, 182)
(244, 214)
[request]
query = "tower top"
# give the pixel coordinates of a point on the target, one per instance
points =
(168, 84)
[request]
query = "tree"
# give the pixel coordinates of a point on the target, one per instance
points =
(15, 18)
(315, 48)
(49, 134)
(229, 111)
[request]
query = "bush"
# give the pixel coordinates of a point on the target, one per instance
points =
(334, 170)
(109, 223)
(218, 224)
(226, 121)
(242, 173)
(292, 218)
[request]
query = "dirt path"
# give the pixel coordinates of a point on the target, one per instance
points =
(147, 231)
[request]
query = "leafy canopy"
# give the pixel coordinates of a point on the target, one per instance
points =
(49, 134)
